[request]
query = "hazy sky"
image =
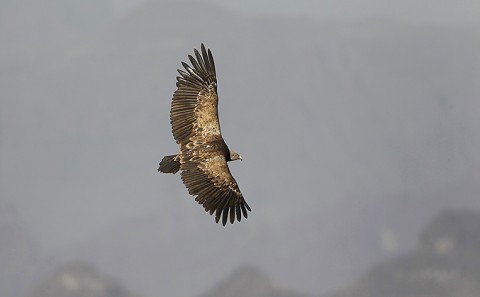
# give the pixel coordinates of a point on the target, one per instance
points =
(450, 11)
(354, 135)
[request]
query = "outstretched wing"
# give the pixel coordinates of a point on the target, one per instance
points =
(208, 177)
(194, 112)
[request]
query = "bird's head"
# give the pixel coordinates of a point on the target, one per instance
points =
(235, 156)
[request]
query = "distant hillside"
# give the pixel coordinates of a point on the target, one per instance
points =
(248, 281)
(446, 264)
(21, 260)
(79, 280)
(454, 231)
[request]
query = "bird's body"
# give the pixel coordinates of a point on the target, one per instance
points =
(203, 154)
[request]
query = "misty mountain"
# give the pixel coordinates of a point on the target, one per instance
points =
(79, 280)
(354, 134)
(452, 231)
(20, 256)
(445, 263)
(248, 281)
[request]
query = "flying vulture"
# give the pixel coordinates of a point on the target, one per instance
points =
(203, 154)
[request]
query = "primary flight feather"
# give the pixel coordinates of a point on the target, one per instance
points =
(203, 154)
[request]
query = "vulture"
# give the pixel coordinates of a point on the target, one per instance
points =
(203, 154)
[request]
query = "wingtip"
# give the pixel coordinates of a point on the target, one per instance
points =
(225, 217)
(186, 66)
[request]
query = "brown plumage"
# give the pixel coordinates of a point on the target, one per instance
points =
(203, 155)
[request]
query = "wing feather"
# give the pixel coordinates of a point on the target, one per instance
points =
(213, 185)
(194, 110)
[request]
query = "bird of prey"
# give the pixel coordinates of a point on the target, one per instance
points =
(203, 154)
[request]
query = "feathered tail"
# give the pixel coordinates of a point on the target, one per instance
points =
(169, 164)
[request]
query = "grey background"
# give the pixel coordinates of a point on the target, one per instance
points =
(357, 124)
